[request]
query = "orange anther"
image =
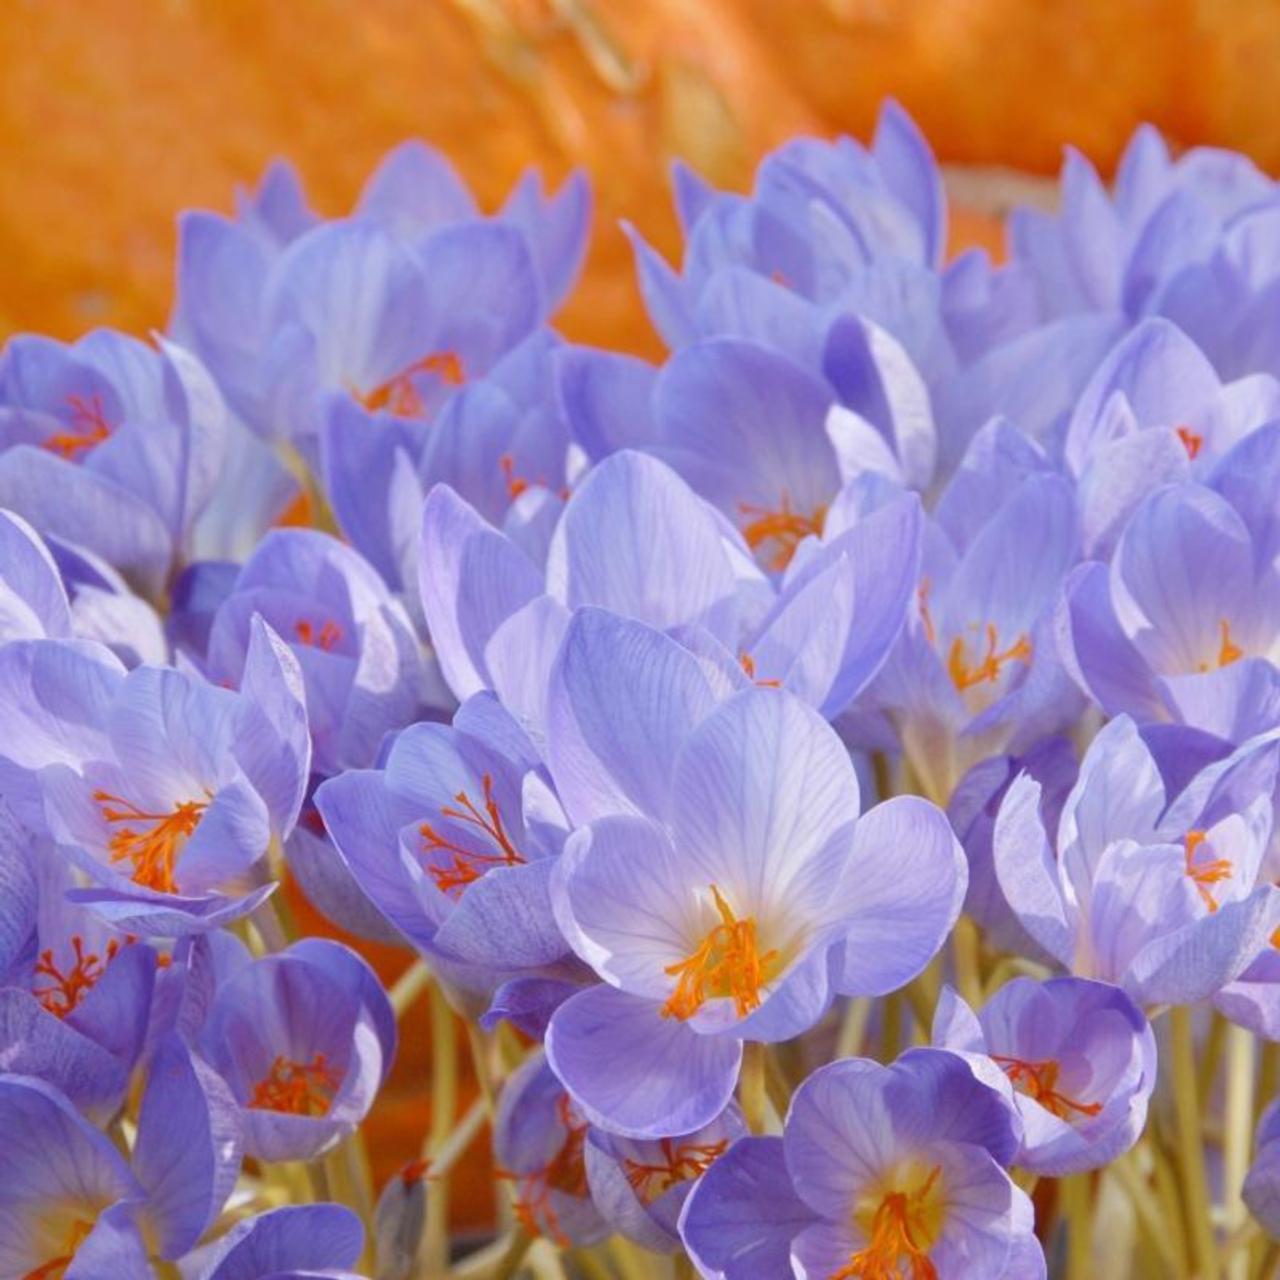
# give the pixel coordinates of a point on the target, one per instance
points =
(296, 1088)
(784, 528)
(898, 1248)
(400, 396)
(89, 429)
(1039, 1081)
(963, 676)
(1205, 874)
(1192, 441)
(468, 865)
(516, 485)
(328, 635)
(154, 850)
(726, 964)
(748, 665)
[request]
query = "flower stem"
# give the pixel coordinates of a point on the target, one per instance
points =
(406, 989)
(1197, 1202)
(751, 1086)
(444, 1105)
(1237, 1140)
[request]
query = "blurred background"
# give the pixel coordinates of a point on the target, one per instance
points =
(116, 114)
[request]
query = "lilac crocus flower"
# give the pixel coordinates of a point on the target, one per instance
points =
(1080, 1056)
(829, 226)
(634, 539)
(1153, 413)
(304, 1039)
(453, 840)
(1160, 895)
(1262, 1186)
(723, 886)
(641, 1185)
(110, 445)
(75, 994)
(1134, 250)
(884, 1171)
(976, 671)
(72, 1206)
(1182, 626)
(55, 591)
(165, 790)
(539, 1144)
(356, 648)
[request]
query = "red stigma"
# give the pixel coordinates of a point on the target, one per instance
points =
(400, 396)
(1192, 441)
(681, 1161)
(565, 1172)
(296, 1088)
(68, 987)
(89, 428)
(1039, 1081)
(326, 638)
(964, 676)
(467, 865)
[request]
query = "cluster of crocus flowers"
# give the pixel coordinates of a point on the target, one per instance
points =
(832, 770)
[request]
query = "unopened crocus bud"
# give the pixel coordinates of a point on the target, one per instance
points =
(399, 1222)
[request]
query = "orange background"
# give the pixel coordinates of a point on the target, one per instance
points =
(115, 114)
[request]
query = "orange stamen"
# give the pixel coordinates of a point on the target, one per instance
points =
(468, 865)
(1192, 441)
(897, 1249)
(70, 987)
(89, 429)
(1228, 652)
(57, 1267)
(748, 664)
(1205, 874)
(784, 528)
(963, 676)
(154, 852)
(726, 964)
(400, 396)
(296, 1088)
(326, 638)
(565, 1172)
(299, 514)
(516, 485)
(680, 1162)
(1039, 1080)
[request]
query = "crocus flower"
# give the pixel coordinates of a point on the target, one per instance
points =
(1159, 895)
(75, 994)
(1262, 1186)
(829, 226)
(723, 886)
(453, 840)
(304, 1039)
(354, 644)
(111, 445)
(976, 671)
(640, 1185)
(1153, 413)
(1080, 1056)
(1182, 626)
(165, 790)
(1132, 251)
(539, 1143)
(54, 591)
(635, 540)
(73, 1207)
(885, 1171)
